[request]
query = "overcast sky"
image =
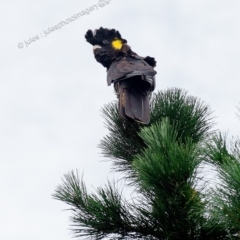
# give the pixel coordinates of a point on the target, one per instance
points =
(52, 90)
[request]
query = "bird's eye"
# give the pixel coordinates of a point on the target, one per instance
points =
(105, 42)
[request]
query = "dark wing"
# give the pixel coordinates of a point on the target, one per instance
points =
(127, 51)
(128, 66)
(134, 80)
(132, 105)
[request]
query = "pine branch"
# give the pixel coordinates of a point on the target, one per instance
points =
(103, 214)
(162, 161)
(166, 172)
(189, 115)
(225, 198)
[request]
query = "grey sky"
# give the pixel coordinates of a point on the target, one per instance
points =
(51, 92)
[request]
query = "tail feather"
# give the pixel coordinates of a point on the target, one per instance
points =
(123, 105)
(133, 105)
(140, 107)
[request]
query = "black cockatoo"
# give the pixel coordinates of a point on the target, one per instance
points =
(133, 76)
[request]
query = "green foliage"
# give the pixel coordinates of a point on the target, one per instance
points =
(123, 141)
(225, 198)
(190, 116)
(104, 214)
(97, 214)
(216, 150)
(166, 174)
(162, 162)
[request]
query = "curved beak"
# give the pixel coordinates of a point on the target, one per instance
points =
(96, 46)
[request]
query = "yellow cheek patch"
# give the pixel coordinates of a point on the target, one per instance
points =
(117, 44)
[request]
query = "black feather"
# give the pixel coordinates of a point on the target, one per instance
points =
(133, 76)
(102, 34)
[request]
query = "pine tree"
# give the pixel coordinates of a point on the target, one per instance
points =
(162, 163)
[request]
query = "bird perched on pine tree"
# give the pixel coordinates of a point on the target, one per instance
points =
(133, 76)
